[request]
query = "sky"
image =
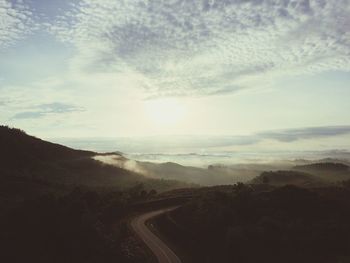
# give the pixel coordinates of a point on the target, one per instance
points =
(239, 74)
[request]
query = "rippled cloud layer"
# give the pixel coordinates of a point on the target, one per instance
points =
(203, 47)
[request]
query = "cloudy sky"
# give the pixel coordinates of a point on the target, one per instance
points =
(255, 72)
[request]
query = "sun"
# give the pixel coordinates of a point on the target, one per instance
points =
(165, 112)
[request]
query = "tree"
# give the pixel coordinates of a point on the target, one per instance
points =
(152, 192)
(266, 179)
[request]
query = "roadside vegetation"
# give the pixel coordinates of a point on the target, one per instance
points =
(80, 226)
(245, 224)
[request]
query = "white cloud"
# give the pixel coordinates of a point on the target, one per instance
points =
(16, 21)
(204, 47)
(47, 109)
(289, 141)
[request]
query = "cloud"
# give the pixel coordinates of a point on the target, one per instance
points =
(305, 133)
(205, 47)
(58, 107)
(28, 115)
(16, 21)
(200, 144)
(45, 109)
(288, 135)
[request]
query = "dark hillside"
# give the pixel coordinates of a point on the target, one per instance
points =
(286, 224)
(19, 148)
(58, 204)
(24, 156)
(281, 178)
(324, 167)
(30, 167)
(328, 171)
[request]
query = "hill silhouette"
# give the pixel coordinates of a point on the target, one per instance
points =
(281, 178)
(324, 167)
(19, 148)
(30, 167)
(329, 171)
(213, 175)
(58, 204)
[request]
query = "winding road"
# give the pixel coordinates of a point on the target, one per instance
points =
(163, 253)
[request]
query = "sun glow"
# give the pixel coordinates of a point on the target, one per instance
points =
(165, 112)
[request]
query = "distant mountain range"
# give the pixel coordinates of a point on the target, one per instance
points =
(324, 167)
(327, 171)
(308, 175)
(30, 166)
(281, 178)
(221, 174)
(205, 176)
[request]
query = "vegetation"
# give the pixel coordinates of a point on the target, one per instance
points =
(287, 224)
(81, 226)
(31, 167)
(280, 178)
(59, 205)
(327, 171)
(326, 166)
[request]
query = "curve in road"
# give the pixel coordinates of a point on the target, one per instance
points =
(163, 253)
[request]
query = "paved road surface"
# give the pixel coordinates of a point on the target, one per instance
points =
(163, 253)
